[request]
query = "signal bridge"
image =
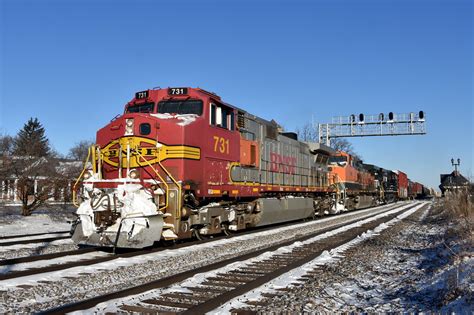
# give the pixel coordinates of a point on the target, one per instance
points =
(373, 125)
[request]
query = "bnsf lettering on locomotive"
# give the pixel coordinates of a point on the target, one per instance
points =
(111, 153)
(151, 151)
(282, 164)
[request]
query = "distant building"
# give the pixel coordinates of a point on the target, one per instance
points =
(453, 182)
(63, 171)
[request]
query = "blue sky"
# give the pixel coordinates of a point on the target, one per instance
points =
(74, 64)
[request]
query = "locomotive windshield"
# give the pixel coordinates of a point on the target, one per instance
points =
(180, 107)
(141, 108)
(337, 159)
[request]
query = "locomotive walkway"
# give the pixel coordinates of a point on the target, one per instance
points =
(205, 288)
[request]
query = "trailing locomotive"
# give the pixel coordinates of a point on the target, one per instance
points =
(181, 163)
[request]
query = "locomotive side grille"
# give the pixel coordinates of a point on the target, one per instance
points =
(241, 120)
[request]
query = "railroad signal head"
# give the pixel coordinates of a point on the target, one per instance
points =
(390, 116)
(353, 118)
(421, 115)
(361, 117)
(381, 116)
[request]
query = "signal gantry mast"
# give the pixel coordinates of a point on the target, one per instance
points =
(373, 125)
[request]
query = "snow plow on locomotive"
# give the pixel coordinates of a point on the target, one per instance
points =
(181, 163)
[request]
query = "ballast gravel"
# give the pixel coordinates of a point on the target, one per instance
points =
(407, 268)
(46, 295)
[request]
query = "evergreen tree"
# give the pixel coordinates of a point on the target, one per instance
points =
(31, 140)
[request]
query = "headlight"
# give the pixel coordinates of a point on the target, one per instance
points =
(134, 174)
(129, 126)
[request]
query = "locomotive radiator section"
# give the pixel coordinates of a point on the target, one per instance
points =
(122, 217)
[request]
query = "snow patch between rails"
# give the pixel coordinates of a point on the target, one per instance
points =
(198, 279)
(288, 279)
(35, 245)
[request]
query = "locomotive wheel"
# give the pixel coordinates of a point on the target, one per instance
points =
(225, 228)
(199, 236)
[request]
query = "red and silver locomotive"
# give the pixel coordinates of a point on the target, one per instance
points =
(181, 163)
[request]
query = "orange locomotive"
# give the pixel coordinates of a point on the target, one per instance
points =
(355, 185)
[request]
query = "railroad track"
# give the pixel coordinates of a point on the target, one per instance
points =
(39, 264)
(34, 238)
(203, 289)
(31, 235)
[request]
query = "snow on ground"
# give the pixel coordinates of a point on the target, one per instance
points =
(47, 219)
(36, 223)
(286, 280)
(37, 294)
(181, 252)
(197, 280)
(44, 220)
(414, 266)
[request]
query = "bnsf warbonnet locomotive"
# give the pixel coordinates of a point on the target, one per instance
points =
(181, 163)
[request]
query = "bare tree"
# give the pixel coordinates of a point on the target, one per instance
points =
(307, 133)
(80, 150)
(36, 180)
(341, 144)
(6, 145)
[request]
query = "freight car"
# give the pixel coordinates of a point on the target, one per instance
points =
(402, 188)
(182, 163)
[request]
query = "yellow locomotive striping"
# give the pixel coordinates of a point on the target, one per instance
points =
(157, 152)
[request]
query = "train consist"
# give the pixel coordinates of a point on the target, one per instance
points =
(181, 163)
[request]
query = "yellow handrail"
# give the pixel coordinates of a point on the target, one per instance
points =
(159, 176)
(176, 183)
(80, 176)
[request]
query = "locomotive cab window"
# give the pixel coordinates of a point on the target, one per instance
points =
(141, 108)
(338, 159)
(180, 107)
(221, 116)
